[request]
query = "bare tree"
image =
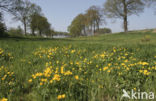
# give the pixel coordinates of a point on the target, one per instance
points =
(94, 17)
(122, 9)
(8, 5)
(23, 12)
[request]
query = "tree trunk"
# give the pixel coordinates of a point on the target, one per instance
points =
(33, 32)
(125, 16)
(94, 29)
(40, 32)
(25, 26)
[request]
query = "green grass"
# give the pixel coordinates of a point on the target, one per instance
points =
(24, 64)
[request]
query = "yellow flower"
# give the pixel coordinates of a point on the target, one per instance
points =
(146, 72)
(61, 96)
(68, 73)
(71, 62)
(51, 81)
(76, 77)
(30, 80)
(77, 63)
(140, 71)
(57, 62)
(134, 89)
(62, 70)
(4, 77)
(41, 83)
(56, 77)
(105, 68)
(126, 61)
(4, 99)
(102, 55)
(72, 51)
(108, 71)
(44, 80)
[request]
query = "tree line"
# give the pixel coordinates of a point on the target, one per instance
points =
(89, 22)
(35, 23)
(29, 14)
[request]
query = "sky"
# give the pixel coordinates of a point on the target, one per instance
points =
(60, 14)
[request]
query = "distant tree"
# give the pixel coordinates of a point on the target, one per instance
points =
(103, 31)
(40, 23)
(122, 9)
(23, 12)
(2, 26)
(94, 17)
(34, 21)
(52, 33)
(77, 26)
(18, 32)
(8, 5)
(151, 3)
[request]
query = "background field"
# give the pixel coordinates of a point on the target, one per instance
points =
(141, 43)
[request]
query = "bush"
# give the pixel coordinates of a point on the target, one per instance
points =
(146, 38)
(3, 30)
(15, 32)
(103, 31)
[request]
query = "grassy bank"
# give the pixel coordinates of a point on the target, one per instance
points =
(94, 68)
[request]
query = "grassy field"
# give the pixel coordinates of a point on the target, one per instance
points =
(95, 68)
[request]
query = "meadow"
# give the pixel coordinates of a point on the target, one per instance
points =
(94, 68)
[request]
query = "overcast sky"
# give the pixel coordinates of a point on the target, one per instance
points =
(60, 13)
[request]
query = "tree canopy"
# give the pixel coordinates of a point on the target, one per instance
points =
(40, 23)
(86, 23)
(122, 9)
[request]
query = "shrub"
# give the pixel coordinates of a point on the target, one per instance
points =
(103, 31)
(2, 30)
(15, 31)
(146, 38)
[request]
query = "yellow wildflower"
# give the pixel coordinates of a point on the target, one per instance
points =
(76, 77)
(4, 99)
(30, 80)
(105, 68)
(56, 77)
(61, 96)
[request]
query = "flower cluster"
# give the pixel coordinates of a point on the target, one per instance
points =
(68, 68)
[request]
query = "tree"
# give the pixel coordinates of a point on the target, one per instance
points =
(23, 12)
(122, 9)
(103, 31)
(151, 3)
(94, 17)
(17, 32)
(34, 22)
(86, 23)
(40, 23)
(78, 25)
(2, 26)
(8, 5)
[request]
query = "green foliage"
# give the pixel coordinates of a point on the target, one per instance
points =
(94, 18)
(103, 31)
(83, 24)
(40, 23)
(2, 30)
(77, 25)
(15, 32)
(2, 27)
(24, 9)
(146, 38)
